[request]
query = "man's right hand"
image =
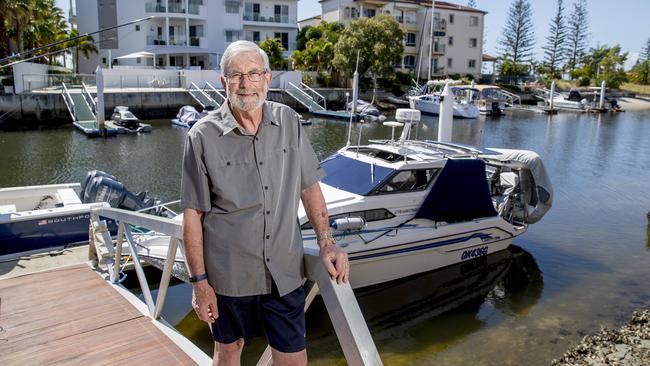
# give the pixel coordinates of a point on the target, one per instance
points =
(204, 301)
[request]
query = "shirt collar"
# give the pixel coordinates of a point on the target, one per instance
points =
(226, 122)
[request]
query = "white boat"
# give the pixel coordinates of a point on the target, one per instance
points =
(404, 207)
(187, 116)
(492, 100)
(38, 218)
(428, 102)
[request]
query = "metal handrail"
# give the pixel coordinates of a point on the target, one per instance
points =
(193, 86)
(303, 93)
(89, 98)
(67, 99)
(315, 92)
(351, 329)
(213, 89)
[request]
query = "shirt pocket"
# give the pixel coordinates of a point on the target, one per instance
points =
(236, 184)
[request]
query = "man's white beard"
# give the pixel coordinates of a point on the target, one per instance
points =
(237, 102)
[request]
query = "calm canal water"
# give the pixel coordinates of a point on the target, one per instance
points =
(585, 265)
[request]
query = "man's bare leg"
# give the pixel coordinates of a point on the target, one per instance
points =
(289, 359)
(228, 354)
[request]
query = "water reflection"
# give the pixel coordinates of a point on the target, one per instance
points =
(647, 239)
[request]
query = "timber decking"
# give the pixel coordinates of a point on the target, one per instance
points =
(70, 316)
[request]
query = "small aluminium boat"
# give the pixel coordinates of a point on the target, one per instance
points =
(126, 122)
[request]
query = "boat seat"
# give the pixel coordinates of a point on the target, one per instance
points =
(67, 196)
(7, 209)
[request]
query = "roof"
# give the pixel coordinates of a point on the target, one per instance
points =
(439, 5)
(310, 18)
(487, 57)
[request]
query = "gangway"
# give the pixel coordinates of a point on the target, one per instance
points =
(214, 93)
(81, 106)
(202, 97)
(307, 96)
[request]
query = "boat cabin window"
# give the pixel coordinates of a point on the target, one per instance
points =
(381, 154)
(408, 180)
(128, 115)
(367, 216)
(352, 175)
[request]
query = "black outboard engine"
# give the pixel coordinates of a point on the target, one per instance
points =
(105, 188)
(89, 177)
(574, 96)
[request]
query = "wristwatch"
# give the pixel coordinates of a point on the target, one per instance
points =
(326, 235)
(198, 278)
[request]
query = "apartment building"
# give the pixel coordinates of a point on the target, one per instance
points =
(457, 42)
(182, 33)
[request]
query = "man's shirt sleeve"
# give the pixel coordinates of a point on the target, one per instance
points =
(195, 188)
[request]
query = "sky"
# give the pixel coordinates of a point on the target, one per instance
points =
(611, 22)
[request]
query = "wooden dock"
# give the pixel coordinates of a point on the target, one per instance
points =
(71, 316)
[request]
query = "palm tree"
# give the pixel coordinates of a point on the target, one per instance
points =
(17, 14)
(85, 45)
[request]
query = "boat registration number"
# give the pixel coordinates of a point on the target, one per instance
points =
(474, 253)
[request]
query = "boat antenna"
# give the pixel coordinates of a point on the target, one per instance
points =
(359, 139)
(433, 10)
(355, 96)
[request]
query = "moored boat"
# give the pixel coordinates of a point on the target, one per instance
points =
(126, 122)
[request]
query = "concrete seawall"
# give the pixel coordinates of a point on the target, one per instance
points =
(29, 110)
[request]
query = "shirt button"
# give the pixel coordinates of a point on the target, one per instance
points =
(268, 236)
(268, 212)
(227, 163)
(268, 259)
(266, 187)
(257, 138)
(261, 162)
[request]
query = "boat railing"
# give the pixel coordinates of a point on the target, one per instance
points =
(89, 98)
(69, 103)
(316, 95)
(343, 309)
(214, 90)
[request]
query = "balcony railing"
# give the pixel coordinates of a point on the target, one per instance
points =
(176, 8)
(154, 8)
(193, 8)
(256, 17)
(438, 48)
(155, 41)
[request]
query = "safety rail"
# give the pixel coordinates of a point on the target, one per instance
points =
(512, 97)
(317, 94)
(201, 96)
(309, 103)
(89, 98)
(349, 324)
(212, 89)
(67, 99)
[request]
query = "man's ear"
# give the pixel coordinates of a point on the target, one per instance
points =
(223, 82)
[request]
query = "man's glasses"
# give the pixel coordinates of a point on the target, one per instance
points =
(253, 76)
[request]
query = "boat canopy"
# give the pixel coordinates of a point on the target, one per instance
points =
(352, 175)
(460, 193)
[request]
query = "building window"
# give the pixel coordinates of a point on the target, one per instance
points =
(369, 13)
(281, 13)
(354, 12)
(471, 64)
(138, 60)
(256, 37)
(450, 63)
(347, 12)
(137, 27)
(232, 35)
(252, 11)
(232, 6)
(473, 42)
(473, 21)
(409, 61)
(103, 60)
(451, 18)
(409, 39)
(451, 41)
(283, 38)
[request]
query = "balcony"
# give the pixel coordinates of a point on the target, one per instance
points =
(176, 8)
(155, 41)
(154, 8)
(438, 49)
(278, 19)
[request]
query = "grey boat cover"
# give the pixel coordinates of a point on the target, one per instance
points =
(189, 115)
(532, 162)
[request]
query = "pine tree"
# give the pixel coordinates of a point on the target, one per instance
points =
(555, 49)
(517, 39)
(471, 4)
(645, 53)
(578, 33)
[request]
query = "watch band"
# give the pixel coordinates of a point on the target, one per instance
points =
(326, 235)
(198, 278)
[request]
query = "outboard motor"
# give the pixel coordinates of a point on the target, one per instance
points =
(89, 177)
(106, 189)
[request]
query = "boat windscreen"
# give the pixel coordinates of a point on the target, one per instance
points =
(352, 175)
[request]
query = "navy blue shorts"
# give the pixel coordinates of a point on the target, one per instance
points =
(281, 319)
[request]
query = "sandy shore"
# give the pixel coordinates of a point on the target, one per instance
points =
(629, 345)
(633, 104)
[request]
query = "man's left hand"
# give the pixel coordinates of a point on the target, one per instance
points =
(336, 262)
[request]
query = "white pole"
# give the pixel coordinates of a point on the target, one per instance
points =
(110, 59)
(601, 105)
(355, 87)
(99, 81)
(552, 94)
(433, 7)
(446, 115)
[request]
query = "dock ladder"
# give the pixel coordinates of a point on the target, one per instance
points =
(349, 324)
(203, 98)
(307, 96)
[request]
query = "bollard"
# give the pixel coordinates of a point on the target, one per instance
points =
(446, 115)
(99, 76)
(601, 104)
(552, 95)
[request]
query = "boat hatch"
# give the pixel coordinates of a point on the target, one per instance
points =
(387, 156)
(352, 175)
(376, 214)
(460, 193)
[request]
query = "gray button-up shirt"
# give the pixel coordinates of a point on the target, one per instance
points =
(249, 188)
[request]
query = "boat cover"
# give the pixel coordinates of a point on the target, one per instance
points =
(189, 115)
(544, 190)
(460, 193)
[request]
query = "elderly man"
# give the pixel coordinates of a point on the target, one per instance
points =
(245, 167)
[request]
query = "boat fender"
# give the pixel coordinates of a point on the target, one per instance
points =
(348, 224)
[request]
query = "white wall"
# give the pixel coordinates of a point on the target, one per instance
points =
(28, 76)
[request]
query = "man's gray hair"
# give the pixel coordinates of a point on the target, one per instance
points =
(238, 47)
